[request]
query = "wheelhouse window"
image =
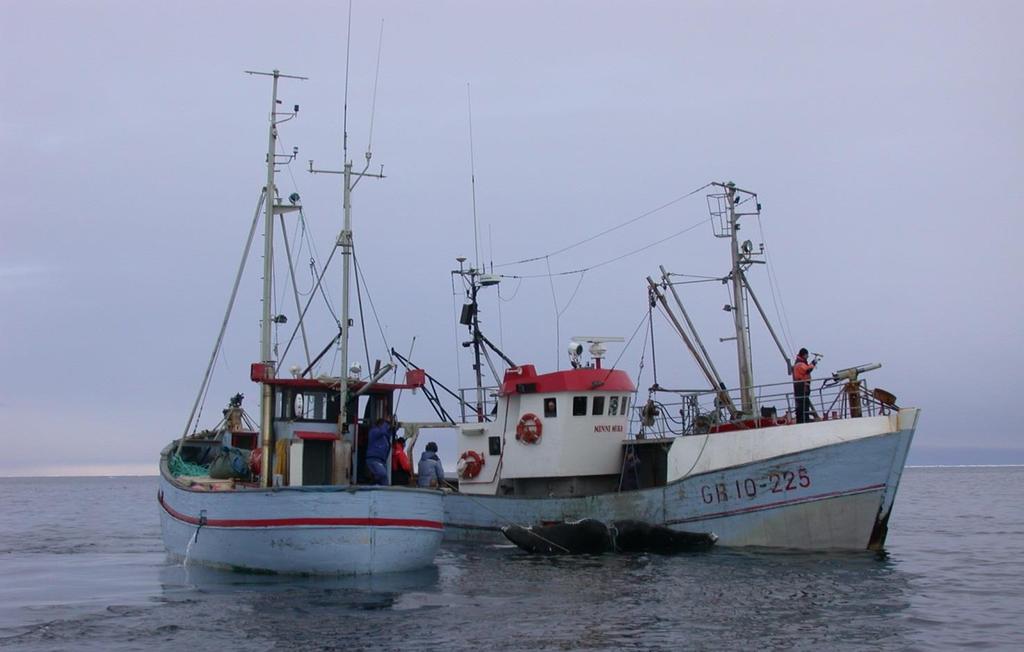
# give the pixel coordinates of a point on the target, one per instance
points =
(624, 405)
(579, 406)
(310, 406)
(550, 408)
(306, 405)
(613, 406)
(598, 406)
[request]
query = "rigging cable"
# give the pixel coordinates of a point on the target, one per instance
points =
(607, 231)
(295, 287)
(650, 320)
(362, 319)
(369, 297)
(204, 386)
(554, 300)
(624, 349)
(455, 333)
(772, 282)
(611, 260)
(514, 293)
(327, 301)
(309, 302)
(573, 296)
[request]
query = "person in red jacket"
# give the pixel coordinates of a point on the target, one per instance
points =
(401, 467)
(802, 384)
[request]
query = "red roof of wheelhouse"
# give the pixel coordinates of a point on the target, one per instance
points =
(525, 380)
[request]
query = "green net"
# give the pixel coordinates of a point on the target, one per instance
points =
(180, 467)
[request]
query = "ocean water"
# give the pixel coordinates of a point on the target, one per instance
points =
(83, 568)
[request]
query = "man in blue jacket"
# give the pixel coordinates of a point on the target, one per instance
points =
(377, 448)
(430, 472)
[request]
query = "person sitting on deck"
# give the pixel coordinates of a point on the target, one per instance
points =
(802, 384)
(401, 467)
(430, 471)
(377, 448)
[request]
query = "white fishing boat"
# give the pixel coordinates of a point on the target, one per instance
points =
(289, 496)
(545, 448)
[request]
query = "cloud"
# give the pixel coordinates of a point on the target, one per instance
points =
(23, 271)
(19, 276)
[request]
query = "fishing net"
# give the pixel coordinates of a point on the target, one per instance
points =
(180, 467)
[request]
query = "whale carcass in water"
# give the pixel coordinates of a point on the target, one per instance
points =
(590, 536)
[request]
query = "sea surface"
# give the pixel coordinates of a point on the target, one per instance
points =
(82, 567)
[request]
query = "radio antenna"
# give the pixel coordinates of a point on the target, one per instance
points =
(472, 178)
(344, 111)
(373, 102)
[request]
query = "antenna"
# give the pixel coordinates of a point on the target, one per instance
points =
(472, 177)
(344, 112)
(373, 102)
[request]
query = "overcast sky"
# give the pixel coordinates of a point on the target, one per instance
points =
(885, 141)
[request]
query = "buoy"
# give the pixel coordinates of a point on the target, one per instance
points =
(529, 429)
(469, 465)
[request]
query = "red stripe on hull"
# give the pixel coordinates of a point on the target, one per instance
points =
(300, 521)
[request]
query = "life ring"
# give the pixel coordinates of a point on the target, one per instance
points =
(469, 465)
(529, 429)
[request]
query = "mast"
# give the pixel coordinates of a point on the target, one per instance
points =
(266, 391)
(475, 287)
(266, 355)
(345, 242)
(474, 281)
(739, 310)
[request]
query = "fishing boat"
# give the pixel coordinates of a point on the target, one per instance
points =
(287, 494)
(539, 449)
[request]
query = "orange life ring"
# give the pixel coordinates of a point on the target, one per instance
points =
(470, 464)
(529, 429)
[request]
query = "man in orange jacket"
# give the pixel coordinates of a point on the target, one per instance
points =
(400, 465)
(802, 384)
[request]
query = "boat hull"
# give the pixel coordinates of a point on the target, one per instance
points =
(305, 530)
(833, 496)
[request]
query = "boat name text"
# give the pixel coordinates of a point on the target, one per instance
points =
(775, 482)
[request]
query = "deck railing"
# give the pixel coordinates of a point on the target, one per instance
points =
(467, 403)
(698, 411)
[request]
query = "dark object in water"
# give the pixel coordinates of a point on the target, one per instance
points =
(587, 536)
(637, 536)
(590, 536)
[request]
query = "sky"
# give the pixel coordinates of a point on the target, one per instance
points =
(884, 140)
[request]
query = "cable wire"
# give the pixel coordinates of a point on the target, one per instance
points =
(611, 260)
(607, 231)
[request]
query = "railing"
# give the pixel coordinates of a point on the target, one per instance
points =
(467, 403)
(699, 412)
